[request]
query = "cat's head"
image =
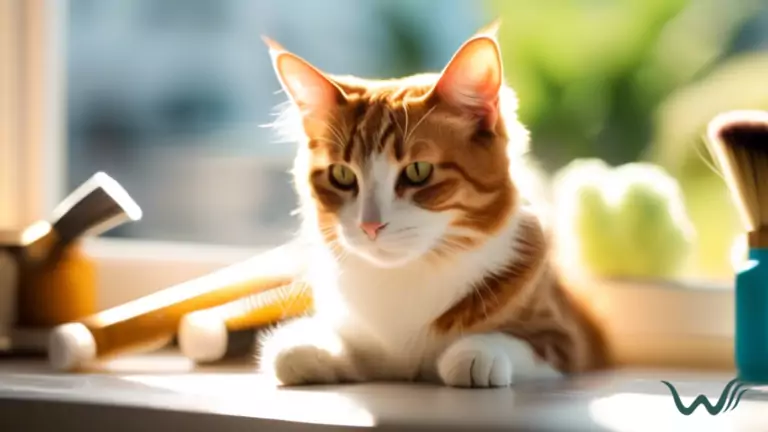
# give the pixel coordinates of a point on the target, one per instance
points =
(402, 169)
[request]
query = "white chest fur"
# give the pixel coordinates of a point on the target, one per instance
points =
(385, 314)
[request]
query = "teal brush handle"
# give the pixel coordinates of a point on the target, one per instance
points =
(751, 298)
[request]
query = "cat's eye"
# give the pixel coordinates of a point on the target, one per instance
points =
(342, 177)
(417, 173)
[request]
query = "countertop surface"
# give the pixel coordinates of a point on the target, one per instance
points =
(166, 392)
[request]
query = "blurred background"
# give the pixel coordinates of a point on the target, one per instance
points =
(170, 97)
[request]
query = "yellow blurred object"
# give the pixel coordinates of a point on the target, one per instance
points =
(55, 281)
(56, 292)
(152, 320)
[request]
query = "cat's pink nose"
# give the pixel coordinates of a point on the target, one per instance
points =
(372, 229)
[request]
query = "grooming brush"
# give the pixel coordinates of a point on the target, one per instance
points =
(150, 321)
(738, 142)
(204, 336)
(56, 281)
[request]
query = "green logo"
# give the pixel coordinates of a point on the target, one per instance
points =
(729, 399)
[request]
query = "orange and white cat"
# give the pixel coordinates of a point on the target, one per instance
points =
(426, 259)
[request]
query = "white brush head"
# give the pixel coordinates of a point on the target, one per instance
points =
(70, 347)
(203, 337)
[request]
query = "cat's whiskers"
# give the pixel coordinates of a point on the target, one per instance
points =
(445, 249)
(338, 140)
(479, 293)
(400, 237)
(338, 133)
(488, 288)
(328, 141)
(407, 138)
(405, 111)
(343, 122)
(410, 228)
(480, 289)
(453, 245)
(395, 120)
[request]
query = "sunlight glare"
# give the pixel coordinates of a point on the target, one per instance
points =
(635, 412)
(252, 395)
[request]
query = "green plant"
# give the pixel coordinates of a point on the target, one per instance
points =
(627, 221)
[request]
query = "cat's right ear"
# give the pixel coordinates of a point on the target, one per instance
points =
(307, 87)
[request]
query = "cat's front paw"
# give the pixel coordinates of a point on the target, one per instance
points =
(303, 353)
(473, 362)
(307, 364)
(491, 360)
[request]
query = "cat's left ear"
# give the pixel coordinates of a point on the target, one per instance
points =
(309, 88)
(472, 79)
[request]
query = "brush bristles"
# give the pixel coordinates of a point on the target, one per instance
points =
(738, 141)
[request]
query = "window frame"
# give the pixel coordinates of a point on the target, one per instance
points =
(30, 113)
(33, 158)
(33, 165)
